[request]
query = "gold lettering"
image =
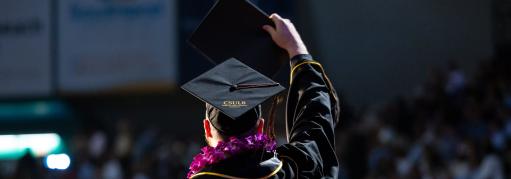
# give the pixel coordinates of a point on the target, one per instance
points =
(234, 104)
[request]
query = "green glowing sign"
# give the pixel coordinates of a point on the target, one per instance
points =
(15, 146)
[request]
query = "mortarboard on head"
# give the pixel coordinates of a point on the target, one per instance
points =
(233, 28)
(233, 93)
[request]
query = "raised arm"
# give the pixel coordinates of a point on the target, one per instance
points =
(312, 109)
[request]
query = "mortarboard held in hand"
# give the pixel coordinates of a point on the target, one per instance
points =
(233, 29)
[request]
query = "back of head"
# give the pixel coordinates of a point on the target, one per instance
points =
(228, 126)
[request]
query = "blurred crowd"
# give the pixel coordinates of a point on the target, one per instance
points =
(455, 125)
(125, 151)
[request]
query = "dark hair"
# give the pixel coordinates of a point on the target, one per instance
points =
(244, 125)
(228, 126)
(251, 131)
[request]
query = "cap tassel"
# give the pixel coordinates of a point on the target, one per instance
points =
(252, 86)
(270, 128)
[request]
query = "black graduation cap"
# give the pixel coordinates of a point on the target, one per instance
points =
(233, 93)
(233, 29)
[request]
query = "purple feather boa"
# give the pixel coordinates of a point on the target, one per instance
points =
(212, 155)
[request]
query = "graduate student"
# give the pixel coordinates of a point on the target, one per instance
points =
(234, 127)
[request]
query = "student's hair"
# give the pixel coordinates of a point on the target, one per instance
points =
(233, 127)
(243, 128)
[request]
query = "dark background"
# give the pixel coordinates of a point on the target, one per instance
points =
(396, 64)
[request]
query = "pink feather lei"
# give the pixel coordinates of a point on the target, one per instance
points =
(212, 155)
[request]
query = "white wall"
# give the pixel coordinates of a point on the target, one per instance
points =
(110, 45)
(25, 59)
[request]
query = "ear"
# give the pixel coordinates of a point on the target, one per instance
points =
(207, 128)
(260, 126)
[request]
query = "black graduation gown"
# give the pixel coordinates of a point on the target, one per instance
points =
(312, 113)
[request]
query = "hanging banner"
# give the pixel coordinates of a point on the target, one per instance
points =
(107, 45)
(25, 62)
